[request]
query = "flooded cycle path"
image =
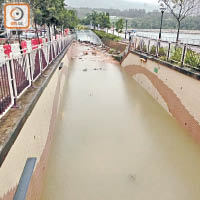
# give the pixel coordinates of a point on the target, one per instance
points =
(113, 141)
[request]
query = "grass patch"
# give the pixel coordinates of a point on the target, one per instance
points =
(103, 36)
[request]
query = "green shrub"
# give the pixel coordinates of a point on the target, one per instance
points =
(144, 47)
(176, 54)
(111, 51)
(153, 50)
(192, 58)
(163, 58)
(103, 35)
(162, 52)
(82, 27)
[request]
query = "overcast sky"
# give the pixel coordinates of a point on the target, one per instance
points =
(145, 1)
(118, 4)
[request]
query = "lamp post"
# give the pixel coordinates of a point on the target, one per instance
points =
(162, 9)
(113, 28)
(126, 28)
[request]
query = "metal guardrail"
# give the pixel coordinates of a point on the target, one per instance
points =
(20, 71)
(25, 179)
(183, 55)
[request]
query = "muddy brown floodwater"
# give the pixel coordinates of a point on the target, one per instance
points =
(115, 142)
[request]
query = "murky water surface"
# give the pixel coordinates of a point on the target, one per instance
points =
(114, 142)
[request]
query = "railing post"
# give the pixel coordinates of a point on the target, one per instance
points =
(148, 47)
(30, 76)
(168, 53)
(3, 86)
(57, 48)
(13, 81)
(183, 55)
(141, 45)
(157, 48)
(5, 89)
(47, 53)
(52, 50)
(40, 57)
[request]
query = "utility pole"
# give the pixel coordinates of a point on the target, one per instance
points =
(126, 28)
(162, 9)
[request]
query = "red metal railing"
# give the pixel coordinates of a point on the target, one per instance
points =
(17, 73)
(6, 97)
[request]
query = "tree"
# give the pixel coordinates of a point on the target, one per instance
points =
(139, 19)
(48, 11)
(119, 25)
(102, 19)
(70, 19)
(93, 17)
(53, 13)
(181, 9)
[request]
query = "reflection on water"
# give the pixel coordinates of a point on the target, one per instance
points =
(187, 38)
(114, 142)
(171, 37)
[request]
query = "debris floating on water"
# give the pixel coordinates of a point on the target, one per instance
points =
(132, 177)
(85, 53)
(95, 69)
(94, 53)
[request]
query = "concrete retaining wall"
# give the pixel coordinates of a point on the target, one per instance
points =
(34, 139)
(178, 93)
(115, 45)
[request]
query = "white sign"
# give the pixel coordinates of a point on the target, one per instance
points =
(16, 16)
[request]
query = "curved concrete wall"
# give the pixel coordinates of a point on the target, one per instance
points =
(179, 94)
(34, 139)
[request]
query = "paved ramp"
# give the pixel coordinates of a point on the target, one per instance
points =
(114, 142)
(88, 36)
